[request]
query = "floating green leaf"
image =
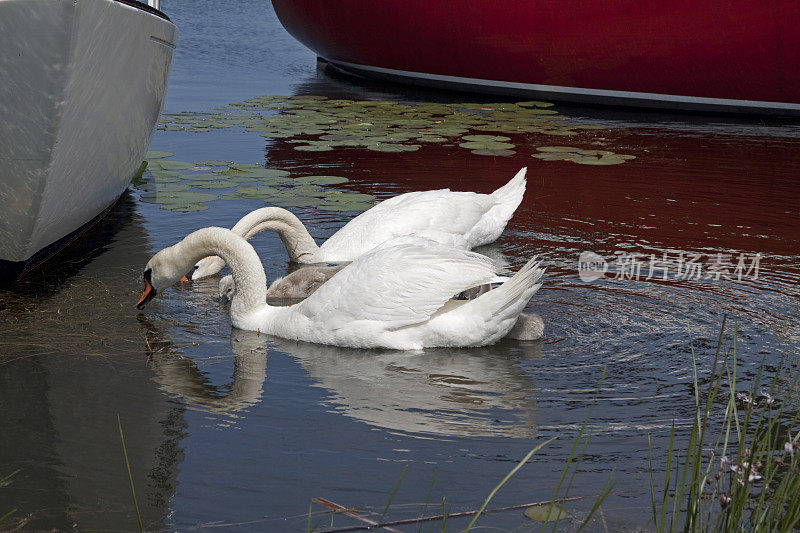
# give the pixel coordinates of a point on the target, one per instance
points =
(580, 156)
(321, 180)
(153, 187)
(494, 152)
(177, 197)
(164, 176)
(185, 208)
(394, 148)
(313, 148)
(546, 513)
(157, 154)
(221, 184)
(257, 192)
(558, 149)
(485, 138)
(169, 164)
(486, 145)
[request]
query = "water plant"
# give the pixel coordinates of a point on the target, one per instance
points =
(183, 186)
(747, 475)
(319, 124)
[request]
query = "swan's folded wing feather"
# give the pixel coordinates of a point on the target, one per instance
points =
(400, 283)
(443, 216)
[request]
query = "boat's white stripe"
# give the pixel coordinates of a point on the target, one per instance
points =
(163, 42)
(575, 90)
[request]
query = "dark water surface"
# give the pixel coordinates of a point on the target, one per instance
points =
(229, 428)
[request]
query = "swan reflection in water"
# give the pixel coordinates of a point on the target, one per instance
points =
(441, 392)
(444, 392)
(180, 375)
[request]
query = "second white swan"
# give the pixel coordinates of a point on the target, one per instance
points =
(395, 296)
(459, 219)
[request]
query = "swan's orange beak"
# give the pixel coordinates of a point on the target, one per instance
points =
(184, 278)
(147, 295)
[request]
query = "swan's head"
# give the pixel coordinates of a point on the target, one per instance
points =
(159, 274)
(208, 266)
(227, 288)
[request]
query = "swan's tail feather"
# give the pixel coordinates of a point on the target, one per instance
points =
(511, 297)
(525, 281)
(506, 199)
(510, 195)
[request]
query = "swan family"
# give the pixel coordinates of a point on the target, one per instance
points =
(409, 258)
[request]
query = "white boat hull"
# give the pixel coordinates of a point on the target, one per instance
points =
(81, 87)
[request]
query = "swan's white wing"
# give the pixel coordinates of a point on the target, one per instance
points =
(399, 283)
(443, 216)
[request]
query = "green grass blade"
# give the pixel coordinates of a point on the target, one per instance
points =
(508, 476)
(391, 496)
(130, 475)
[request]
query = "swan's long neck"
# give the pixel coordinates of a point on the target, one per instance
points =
(248, 274)
(300, 245)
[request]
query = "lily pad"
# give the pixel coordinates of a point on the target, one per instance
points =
(221, 184)
(393, 148)
(185, 208)
(166, 177)
(313, 148)
(580, 156)
(257, 172)
(257, 192)
(157, 154)
(214, 163)
(485, 138)
(321, 180)
(152, 187)
(486, 145)
(558, 149)
(307, 190)
(546, 513)
(494, 152)
(555, 156)
(608, 159)
(177, 197)
(169, 164)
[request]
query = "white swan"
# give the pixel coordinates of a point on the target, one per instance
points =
(295, 286)
(396, 296)
(460, 219)
(302, 283)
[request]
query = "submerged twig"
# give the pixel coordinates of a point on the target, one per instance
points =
(352, 514)
(457, 515)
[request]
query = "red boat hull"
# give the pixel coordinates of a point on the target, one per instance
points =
(725, 55)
